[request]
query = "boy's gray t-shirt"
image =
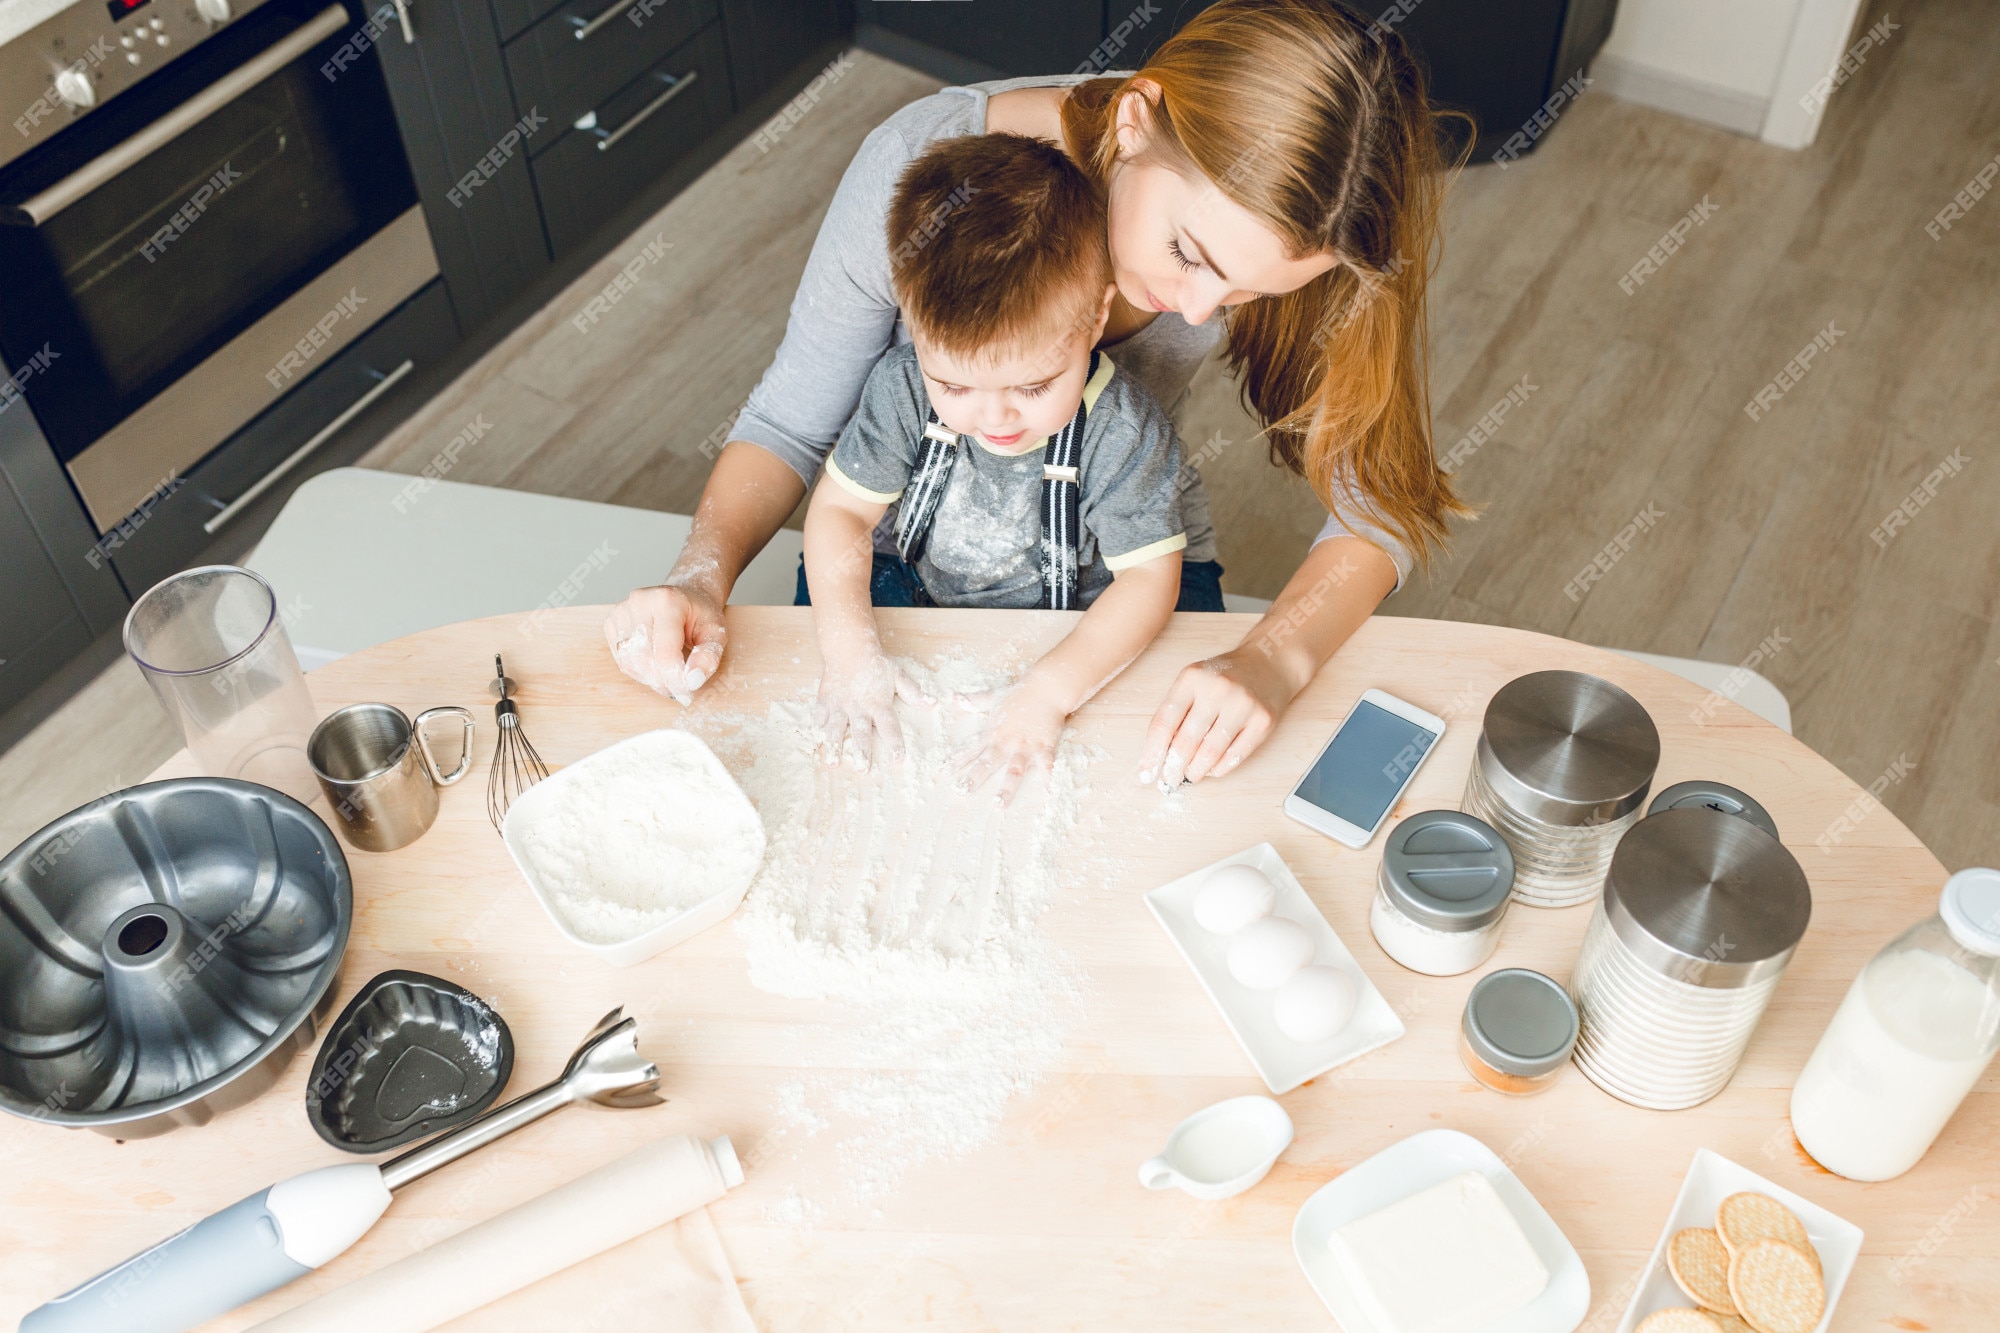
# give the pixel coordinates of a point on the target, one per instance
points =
(985, 542)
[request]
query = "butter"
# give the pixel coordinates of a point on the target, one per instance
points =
(1450, 1259)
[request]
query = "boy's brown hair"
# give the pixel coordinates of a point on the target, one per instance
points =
(996, 240)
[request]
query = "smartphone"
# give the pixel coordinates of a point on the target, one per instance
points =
(1354, 783)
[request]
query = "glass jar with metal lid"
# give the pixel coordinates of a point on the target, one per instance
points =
(1442, 891)
(1518, 1031)
(1700, 915)
(1562, 770)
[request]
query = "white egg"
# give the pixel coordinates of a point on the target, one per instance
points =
(1264, 953)
(1314, 1004)
(1233, 897)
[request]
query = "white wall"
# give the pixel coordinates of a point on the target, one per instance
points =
(1740, 64)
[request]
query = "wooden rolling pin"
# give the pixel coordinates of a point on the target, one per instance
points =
(644, 1189)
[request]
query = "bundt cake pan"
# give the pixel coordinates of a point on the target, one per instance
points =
(164, 952)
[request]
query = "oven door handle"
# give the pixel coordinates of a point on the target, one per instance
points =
(298, 455)
(39, 208)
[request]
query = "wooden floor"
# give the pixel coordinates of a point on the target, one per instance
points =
(1889, 654)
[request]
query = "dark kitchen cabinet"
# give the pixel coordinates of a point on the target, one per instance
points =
(768, 39)
(587, 50)
(454, 106)
(990, 40)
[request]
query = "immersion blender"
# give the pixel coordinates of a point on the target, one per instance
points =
(282, 1233)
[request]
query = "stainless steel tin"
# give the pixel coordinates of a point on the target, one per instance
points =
(1701, 913)
(166, 951)
(1562, 770)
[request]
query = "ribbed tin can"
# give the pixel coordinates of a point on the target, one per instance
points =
(1700, 914)
(1562, 770)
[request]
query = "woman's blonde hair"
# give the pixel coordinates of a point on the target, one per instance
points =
(1319, 125)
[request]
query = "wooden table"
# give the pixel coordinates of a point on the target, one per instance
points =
(1046, 1226)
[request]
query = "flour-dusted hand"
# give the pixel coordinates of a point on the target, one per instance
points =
(857, 710)
(669, 639)
(1018, 732)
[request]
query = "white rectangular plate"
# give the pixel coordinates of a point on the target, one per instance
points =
(1414, 1165)
(1711, 1178)
(1283, 1063)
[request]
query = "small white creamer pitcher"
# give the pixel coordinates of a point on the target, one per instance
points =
(1221, 1150)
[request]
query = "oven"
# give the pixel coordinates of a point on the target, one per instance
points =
(201, 203)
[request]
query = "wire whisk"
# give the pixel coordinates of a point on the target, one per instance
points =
(516, 766)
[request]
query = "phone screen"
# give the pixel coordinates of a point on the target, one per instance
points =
(1369, 759)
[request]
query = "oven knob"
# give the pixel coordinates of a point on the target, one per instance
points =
(215, 11)
(75, 88)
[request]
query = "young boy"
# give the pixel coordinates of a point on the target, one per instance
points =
(1016, 467)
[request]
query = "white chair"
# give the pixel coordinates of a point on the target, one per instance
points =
(359, 557)
(1740, 684)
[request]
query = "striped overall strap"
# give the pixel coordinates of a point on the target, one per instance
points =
(1062, 496)
(937, 452)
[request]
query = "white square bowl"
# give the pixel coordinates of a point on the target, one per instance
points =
(675, 930)
(1282, 1062)
(1711, 1178)
(1414, 1165)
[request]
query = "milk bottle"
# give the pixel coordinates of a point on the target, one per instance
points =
(1912, 1037)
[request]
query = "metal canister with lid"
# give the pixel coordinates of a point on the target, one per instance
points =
(1564, 763)
(1700, 915)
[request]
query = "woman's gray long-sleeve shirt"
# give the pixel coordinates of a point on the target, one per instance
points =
(845, 316)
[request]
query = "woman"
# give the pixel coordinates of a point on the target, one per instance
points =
(1273, 179)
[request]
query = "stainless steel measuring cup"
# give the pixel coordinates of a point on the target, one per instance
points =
(379, 774)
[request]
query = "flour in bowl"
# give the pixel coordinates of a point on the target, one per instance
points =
(637, 834)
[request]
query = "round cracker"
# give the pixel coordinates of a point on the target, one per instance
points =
(1678, 1320)
(1776, 1288)
(1699, 1262)
(1730, 1323)
(1742, 1218)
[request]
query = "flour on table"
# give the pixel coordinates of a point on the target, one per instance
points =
(915, 909)
(635, 835)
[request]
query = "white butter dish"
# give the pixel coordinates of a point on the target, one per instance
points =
(1408, 1168)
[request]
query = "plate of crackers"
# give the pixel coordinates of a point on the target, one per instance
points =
(1741, 1255)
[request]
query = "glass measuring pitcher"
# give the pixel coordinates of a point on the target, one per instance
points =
(213, 647)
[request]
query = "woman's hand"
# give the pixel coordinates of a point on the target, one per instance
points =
(668, 638)
(857, 708)
(1019, 732)
(1216, 714)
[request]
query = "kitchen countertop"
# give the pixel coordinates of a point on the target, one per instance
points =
(1046, 1225)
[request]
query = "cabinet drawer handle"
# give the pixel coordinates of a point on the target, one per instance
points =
(298, 456)
(403, 17)
(611, 11)
(679, 86)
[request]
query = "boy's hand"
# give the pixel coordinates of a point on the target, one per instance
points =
(857, 706)
(1021, 728)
